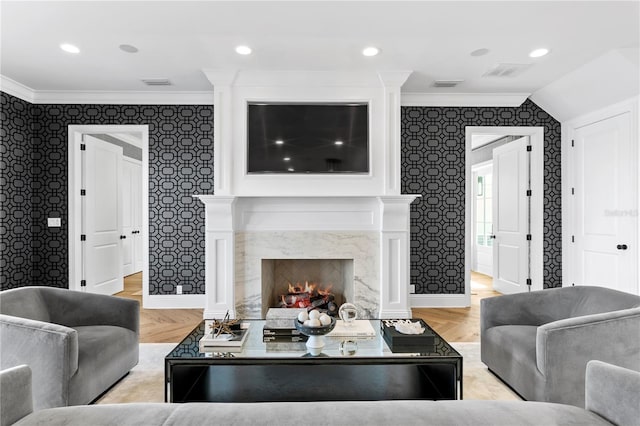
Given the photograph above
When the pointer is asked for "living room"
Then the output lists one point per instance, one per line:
(436, 77)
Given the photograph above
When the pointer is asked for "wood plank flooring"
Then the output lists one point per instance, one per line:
(171, 325)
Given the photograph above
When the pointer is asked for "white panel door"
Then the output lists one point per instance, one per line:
(132, 216)
(605, 199)
(511, 216)
(102, 216)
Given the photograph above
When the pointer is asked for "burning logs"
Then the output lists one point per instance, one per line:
(309, 296)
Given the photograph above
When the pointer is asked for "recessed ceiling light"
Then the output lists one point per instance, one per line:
(69, 48)
(538, 53)
(286, 158)
(243, 50)
(338, 142)
(479, 52)
(279, 142)
(128, 48)
(370, 51)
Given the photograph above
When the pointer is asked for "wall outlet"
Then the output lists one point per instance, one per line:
(412, 288)
(178, 289)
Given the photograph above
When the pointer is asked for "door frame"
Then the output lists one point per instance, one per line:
(536, 135)
(74, 216)
(474, 214)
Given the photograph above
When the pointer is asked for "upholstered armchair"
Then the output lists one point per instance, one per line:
(77, 344)
(539, 343)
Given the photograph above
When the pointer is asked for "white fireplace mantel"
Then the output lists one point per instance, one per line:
(298, 220)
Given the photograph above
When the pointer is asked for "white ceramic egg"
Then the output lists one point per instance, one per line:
(314, 322)
(325, 319)
(307, 323)
(303, 316)
(314, 315)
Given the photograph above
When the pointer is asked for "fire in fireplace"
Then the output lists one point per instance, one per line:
(310, 296)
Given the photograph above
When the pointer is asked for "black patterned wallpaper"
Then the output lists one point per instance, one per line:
(180, 165)
(433, 161)
(15, 194)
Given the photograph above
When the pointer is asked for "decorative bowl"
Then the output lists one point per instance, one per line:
(315, 331)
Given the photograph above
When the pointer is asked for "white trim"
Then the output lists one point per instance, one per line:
(536, 134)
(33, 96)
(16, 89)
(74, 206)
(464, 99)
(439, 301)
(171, 301)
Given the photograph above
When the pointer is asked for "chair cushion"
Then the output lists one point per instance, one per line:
(510, 352)
(105, 354)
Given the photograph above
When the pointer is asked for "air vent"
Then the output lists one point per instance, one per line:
(446, 83)
(506, 70)
(156, 81)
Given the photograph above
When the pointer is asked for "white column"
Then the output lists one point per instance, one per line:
(222, 129)
(392, 82)
(394, 256)
(219, 256)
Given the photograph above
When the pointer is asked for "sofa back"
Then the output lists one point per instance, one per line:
(588, 300)
(25, 302)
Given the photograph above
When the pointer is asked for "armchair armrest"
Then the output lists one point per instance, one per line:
(16, 399)
(74, 308)
(534, 308)
(613, 392)
(564, 347)
(50, 350)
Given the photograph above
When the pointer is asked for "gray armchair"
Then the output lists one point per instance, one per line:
(77, 344)
(539, 343)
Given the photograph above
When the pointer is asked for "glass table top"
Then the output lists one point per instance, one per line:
(335, 347)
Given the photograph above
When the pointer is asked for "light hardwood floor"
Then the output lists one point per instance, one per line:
(171, 325)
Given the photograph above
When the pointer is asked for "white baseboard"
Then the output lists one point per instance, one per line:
(439, 300)
(172, 301)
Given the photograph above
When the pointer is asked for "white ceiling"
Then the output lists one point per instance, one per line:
(177, 39)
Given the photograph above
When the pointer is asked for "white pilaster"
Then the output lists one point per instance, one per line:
(219, 255)
(222, 129)
(394, 256)
(392, 82)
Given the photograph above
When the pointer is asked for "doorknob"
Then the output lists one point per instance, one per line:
(492, 237)
(622, 247)
(122, 237)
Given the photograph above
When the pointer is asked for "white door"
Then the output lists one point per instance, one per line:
(511, 171)
(132, 216)
(483, 219)
(605, 199)
(102, 216)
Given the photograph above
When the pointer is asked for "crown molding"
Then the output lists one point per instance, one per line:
(28, 94)
(464, 99)
(16, 89)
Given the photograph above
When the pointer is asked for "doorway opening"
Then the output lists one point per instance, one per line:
(123, 240)
(481, 207)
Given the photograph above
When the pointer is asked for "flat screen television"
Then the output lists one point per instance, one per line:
(306, 138)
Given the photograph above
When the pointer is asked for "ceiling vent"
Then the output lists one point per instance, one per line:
(156, 81)
(446, 83)
(506, 70)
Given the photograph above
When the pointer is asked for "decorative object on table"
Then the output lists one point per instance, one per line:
(279, 326)
(357, 328)
(314, 325)
(348, 347)
(224, 334)
(348, 313)
(418, 336)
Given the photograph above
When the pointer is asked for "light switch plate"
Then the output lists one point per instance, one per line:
(54, 222)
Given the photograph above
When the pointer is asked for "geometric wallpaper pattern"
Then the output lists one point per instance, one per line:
(15, 194)
(180, 165)
(433, 160)
(33, 170)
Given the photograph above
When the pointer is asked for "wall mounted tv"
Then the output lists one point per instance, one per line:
(306, 138)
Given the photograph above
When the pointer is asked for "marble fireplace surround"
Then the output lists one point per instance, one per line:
(241, 231)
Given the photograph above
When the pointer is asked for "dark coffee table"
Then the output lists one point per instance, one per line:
(286, 372)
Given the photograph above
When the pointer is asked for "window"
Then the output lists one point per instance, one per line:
(484, 227)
